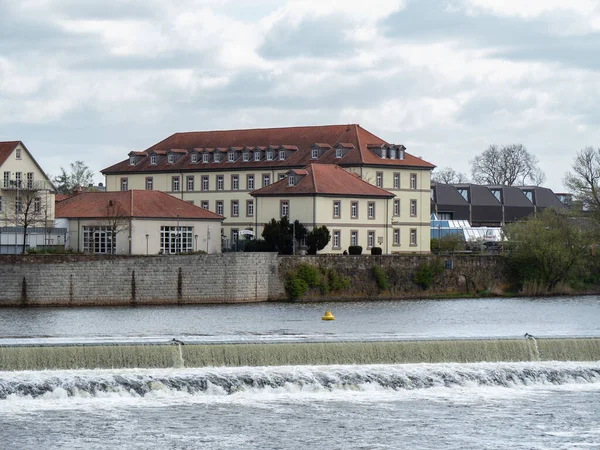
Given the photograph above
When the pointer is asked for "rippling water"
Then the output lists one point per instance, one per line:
(450, 406)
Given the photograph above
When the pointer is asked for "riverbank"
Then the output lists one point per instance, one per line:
(88, 280)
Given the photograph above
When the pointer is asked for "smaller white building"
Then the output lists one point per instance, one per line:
(138, 223)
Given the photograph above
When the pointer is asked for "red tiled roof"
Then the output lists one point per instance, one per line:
(324, 179)
(137, 204)
(60, 197)
(6, 148)
(302, 138)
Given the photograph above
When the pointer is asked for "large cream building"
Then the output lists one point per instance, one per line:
(26, 201)
(218, 171)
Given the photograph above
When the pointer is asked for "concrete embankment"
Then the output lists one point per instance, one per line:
(87, 280)
(315, 353)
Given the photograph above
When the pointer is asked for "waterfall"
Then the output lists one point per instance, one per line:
(229, 381)
(313, 353)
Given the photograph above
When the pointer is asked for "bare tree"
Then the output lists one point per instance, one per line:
(448, 175)
(584, 180)
(28, 209)
(507, 165)
(116, 219)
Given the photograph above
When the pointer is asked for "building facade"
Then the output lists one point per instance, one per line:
(219, 170)
(26, 202)
(137, 223)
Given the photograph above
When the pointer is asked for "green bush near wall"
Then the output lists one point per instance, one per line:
(380, 277)
(305, 276)
(426, 272)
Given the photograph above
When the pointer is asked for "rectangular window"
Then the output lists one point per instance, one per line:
(285, 208)
(336, 209)
(152, 159)
(269, 155)
(6, 179)
(190, 183)
(231, 156)
(175, 184)
(266, 180)
(205, 182)
(314, 153)
(336, 239)
(149, 183)
(396, 181)
(396, 240)
(217, 157)
(132, 160)
(124, 184)
(281, 155)
(220, 207)
(235, 182)
(353, 237)
(98, 240)
(245, 156)
(281, 176)
(235, 234)
(291, 180)
(257, 156)
(205, 157)
(171, 158)
(371, 210)
(18, 180)
(37, 205)
(413, 180)
(370, 239)
(29, 180)
(413, 208)
(338, 153)
(219, 182)
(396, 207)
(249, 208)
(413, 236)
(235, 208)
(204, 204)
(18, 153)
(175, 240)
(250, 182)
(194, 157)
(18, 204)
(354, 210)
(379, 179)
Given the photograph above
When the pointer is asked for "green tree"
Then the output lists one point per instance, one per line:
(546, 249)
(317, 239)
(80, 175)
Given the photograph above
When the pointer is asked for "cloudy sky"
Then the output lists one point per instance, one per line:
(93, 80)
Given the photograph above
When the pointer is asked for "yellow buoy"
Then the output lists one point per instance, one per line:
(328, 316)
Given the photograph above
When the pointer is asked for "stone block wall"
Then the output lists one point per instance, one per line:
(84, 280)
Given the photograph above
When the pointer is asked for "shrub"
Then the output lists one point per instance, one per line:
(426, 272)
(376, 251)
(380, 277)
(309, 274)
(295, 287)
(355, 250)
(336, 282)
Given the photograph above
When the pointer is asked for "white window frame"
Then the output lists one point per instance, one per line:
(370, 239)
(250, 182)
(397, 207)
(269, 155)
(396, 180)
(266, 180)
(379, 179)
(220, 182)
(175, 240)
(338, 153)
(371, 210)
(170, 158)
(291, 180)
(132, 160)
(257, 155)
(18, 153)
(314, 153)
(245, 156)
(37, 205)
(149, 183)
(153, 159)
(6, 179)
(281, 155)
(219, 207)
(284, 207)
(413, 181)
(205, 158)
(231, 157)
(413, 208)
(413, 237)
(190, 183)
(353, 237)
(249, 208)
(29, 180)
(235, 208)
(217, 157)
(354, 210)
(124, 184)
(337, 209)
(175, 184)
(194, 157)
(235, 182)
(205, 183)
(204, 204)
(336, 240)
(396, 237)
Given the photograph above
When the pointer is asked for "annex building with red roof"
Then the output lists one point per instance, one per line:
(138, 222)
(371, 192)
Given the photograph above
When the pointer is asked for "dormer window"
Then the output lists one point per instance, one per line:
(217, 157)
(383, 152)
(529, 195)
(281, 155)
(257, 155)
(291, 180)
(269, 155)
(245, 156)
(400, 154)
(152, 159)
(314, 153)
(231, 156)
(194, 157)
(392, 153)
(464, 193)
(132, 160)
(205, 157)
(338, 153)
(171, 158)
(496, 193)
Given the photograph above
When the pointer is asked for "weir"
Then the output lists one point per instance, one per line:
(282, 354)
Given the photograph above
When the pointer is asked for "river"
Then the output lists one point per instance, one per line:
(524, 405)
